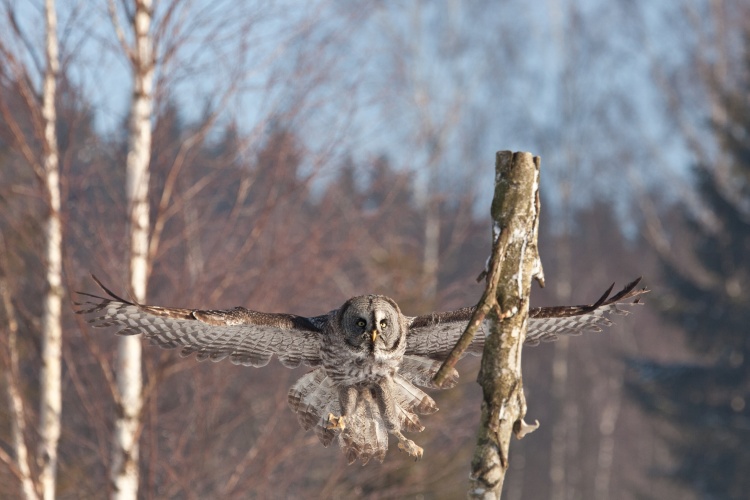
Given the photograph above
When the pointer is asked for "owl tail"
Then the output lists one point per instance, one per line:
(410, 401)
(312, 398)
(366, 435)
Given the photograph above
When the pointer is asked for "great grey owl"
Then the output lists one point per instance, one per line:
(367, 358)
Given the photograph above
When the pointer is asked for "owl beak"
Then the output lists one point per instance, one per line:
(374, 335)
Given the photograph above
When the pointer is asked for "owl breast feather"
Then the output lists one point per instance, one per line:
(357, 370)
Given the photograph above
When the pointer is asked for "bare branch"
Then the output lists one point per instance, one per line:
(119, 33)
(28, 44)
(20, 466)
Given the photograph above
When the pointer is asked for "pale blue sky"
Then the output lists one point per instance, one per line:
(570, 81)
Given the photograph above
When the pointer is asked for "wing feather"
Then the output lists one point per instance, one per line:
(547, 324)
(246, 337)
(434, 335)
(420, 371)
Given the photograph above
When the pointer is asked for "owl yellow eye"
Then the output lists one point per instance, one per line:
(383, 323)
(361, 323)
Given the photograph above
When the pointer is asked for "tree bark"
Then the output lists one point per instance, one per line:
(124, 473)
(51, 391)
(513, 264)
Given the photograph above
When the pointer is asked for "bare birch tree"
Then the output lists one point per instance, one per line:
(45, 164)
(51, 395)
(159, 42)
(124, 469)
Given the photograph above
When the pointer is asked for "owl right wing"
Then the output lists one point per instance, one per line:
(247, 337)
(434, 335)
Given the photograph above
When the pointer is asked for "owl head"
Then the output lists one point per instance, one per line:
(373, 324)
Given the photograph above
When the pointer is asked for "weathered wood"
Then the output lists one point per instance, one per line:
(513, 264)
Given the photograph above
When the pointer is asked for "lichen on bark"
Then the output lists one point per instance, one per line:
(513, 264)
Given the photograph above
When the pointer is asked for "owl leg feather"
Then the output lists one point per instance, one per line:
(348, 403)
(383, 392)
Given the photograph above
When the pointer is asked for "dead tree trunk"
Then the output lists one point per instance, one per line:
(514, 262)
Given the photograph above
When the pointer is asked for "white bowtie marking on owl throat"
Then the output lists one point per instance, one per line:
(367, 358)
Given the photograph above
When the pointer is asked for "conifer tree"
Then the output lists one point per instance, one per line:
(709, 402)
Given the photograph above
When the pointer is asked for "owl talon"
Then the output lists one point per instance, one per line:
(411, 449)
(335, 422)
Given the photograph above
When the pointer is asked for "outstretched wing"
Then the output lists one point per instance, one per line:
(247, 337)
(434, 335)
(547, 324)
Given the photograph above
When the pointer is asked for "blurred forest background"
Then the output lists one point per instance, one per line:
(302, 155)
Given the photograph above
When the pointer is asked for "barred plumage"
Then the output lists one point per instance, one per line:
(367, 357)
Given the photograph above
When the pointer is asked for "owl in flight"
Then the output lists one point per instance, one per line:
(368, 359)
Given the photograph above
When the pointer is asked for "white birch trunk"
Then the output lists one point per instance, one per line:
(124, 474)
(51, 397)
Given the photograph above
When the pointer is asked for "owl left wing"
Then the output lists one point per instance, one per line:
(547, 324)
(247, 337)
(434, 335)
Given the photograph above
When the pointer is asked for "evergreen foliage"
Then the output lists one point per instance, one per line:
(709, 402)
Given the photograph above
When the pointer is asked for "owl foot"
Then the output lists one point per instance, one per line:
(412, 449)
(335, 422)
